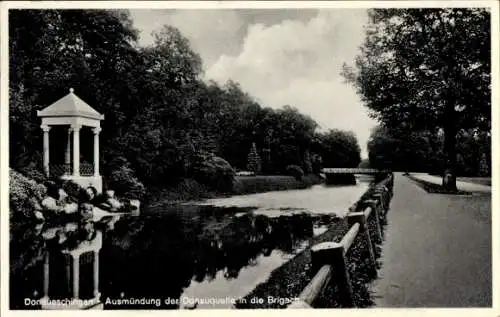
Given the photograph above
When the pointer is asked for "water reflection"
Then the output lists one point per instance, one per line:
(193, 251)
(192, 254)
(55, 261)
(318, 199)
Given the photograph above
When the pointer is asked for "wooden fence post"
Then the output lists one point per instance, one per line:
(384, 189)
(376, 213)
(322, 254)
(361, 218)
(332, 253)
(380, 196)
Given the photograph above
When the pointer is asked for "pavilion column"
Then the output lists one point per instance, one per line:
(96, 150)
(96, 273)
(76, 149)
(46, 156)
(67, 158)
(46, 275)
(69, 285)
(76, 275)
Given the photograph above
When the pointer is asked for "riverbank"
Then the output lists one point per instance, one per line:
(226, 248)
(191, 190)
(26, 194)
(289, 280)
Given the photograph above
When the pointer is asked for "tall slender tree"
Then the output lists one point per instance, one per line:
(254, 161)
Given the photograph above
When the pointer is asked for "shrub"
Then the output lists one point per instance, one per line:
(484, 169)
(73, 190)
(213, 171)
(125, 184)
(295, 171)
(186, 189)
(34, 171)
(190, 189)
(24, 196)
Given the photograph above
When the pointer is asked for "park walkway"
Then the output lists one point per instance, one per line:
(437, 250)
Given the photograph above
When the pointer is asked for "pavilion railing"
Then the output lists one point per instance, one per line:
(86, 169)
(57, 170)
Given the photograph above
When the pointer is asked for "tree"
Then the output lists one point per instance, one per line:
(381, 149)
(160, 116)
(254, 161)
(293, 134)
(399, 150)
(339, 149)
(52, 50)
(427, 69)
(473, 148)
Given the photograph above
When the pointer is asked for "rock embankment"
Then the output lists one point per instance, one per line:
(32, 201)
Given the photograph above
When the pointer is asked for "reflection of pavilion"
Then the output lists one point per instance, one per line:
(72, 264)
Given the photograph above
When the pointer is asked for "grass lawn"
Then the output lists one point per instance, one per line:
(476, 180)
(432, 188)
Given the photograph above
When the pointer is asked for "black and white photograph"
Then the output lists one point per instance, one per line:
(249, 155)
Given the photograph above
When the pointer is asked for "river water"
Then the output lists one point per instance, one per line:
(219, 249)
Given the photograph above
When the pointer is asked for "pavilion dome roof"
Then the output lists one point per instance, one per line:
(70, 106)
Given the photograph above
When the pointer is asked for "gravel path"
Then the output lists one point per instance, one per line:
(437, 251)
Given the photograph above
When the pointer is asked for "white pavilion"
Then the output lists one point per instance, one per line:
(75, 114)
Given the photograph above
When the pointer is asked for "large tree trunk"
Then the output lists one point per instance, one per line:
(450, 141)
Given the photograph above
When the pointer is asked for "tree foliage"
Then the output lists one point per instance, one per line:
(425, 69)
(339, 149)
(388, 149)
(213, 171)
(161, 117)
(423, 151)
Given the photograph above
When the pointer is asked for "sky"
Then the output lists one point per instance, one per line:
(279, 56)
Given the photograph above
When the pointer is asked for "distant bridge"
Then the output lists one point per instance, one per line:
(369, 171)
(346, 176)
